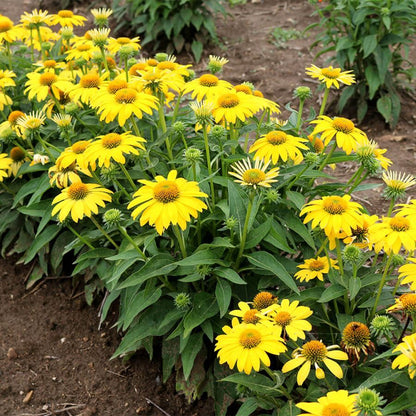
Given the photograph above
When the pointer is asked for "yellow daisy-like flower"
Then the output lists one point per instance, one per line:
(154, 80)
(370, 149)
(407, 358)
(206, 86)
(101, 16)
(63, 177)
(8, 32)
(35, 18)
(405, 303)
(248, 315)
(124, 103)
(335, 403)
(356, 340)
(31, 121)
(11, 123)
(67, 18)
(216, 63)
(333, 214)
(263, 300)
(315, 268)
(75, 154)
(5, 164)
(18, 157)
(80, 199)
(49, 65)
(87, 87)
(248, 175)
(40, 85)
(407, 273)
(263, 103)
(331, 76)
(232, 106)
(247, 346)
(397, 183)
(114, 44)
(277, 145)
(167, 201)
(171, 66)
(313, 353)
(392, 234)
(359, 235)
(31, 37)
(408, 210)
(85, 50)
(290, 319)
(113, 147)
(346, 134)
(6, 78)
(5, 100)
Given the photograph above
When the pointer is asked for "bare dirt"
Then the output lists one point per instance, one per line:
(50, 344)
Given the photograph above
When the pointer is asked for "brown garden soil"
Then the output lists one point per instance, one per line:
(52, 354)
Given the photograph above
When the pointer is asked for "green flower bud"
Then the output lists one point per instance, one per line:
(312, 159)
(218, 133)
(131, 62)
(351, 254)
(7, 135)
(231, 223)
(302, 93)
(81, 61)
(126, 52)
(272, 195)
(67, 33)
(382, 325)
(368, 402)
(192, 155)
(182, 301)
(397, 260)
(112, 217)
(203, 270)
(190, 76)
(108, 174)
(46, 46)
(178, 128)
(161, 56)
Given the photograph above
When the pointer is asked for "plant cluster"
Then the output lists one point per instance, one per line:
(371, 38)
(173, 26)
(186, 200)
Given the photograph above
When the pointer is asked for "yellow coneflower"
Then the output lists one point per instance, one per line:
(405, 303)
(8, 32)
(18, 157)
(62, 120)
(356, 340)
(6, 78)
(397, 184)
(31, 121)
(315, 268)
(85, 50)
(62, 177)
(35, 18)
(101, 16)
(313, 353)
(254, 176)
(370, 149)
(40, 85)
(114, 44)
(248, 315)
(99, 37)
(359, 235)
(331, 76)
(167, 201)
(206, 86)
(80, 199)
(87, 87)
(67, 18)
(407, 358)
(247, 346)
(75, 155)
(407, 273)
(5, 100)
(216, 63)
(5, 164)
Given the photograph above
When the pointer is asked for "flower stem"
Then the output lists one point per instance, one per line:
(87, 243)
(104, 233)
(300, 111)
(380, 288)
(245, 229)
(132, 242)
(179, 236)
(127, 175)
(211, 180)
(324, 100)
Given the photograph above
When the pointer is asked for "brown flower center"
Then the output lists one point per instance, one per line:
(250, 317)
(335, 205)
(331, 73)
(47, 79)
(254, 176)
(335, 409)
(314, 351)
(250, 338)
(116, 85)
(17, 154)
(276, 137)
(166, 65)
(50, 63)
(65, 13)
(5, 24)
(208, 80)
(152, 62)
(84, 47)
(316, 265)
(111, 140)
(137, 67)
(399, 224)
(356, 334)
(228, 100)
(90, 81)
(343, 125)
(126, 95)
(283, 318)
(77, 191)
(263, 300)
(166, 191)
(14, 116)
(243, 88)
(79, 147)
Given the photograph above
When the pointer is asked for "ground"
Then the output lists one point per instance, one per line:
(65, 362)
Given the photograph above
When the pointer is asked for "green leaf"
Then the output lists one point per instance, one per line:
(256, 382)
(257, 234)
(384, 107)
(383, 57)
(266, 261)
(223, 295)
(248, 407)
(190, 352)
(96, 253)
(297, 198)
(237, 204)
(170, 354)
(383, 376)
(205, 307)
(369, 43)
(295, 224)
(332, 292)
(197, 48)
(373, 80)
(41, 240)
(405, 401)
(205, 256)
(230, 275)
(354, 286)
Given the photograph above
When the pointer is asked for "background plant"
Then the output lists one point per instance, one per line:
(370, 38)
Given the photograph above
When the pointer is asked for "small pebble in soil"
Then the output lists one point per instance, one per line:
(12, 354)
(28, 397)
(63, 340)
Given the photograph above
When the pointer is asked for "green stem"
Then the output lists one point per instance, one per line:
(297, 177)
(328, 156)
(104, 233)
(127, 175)
(380, 288)
(353, 177)
(45, 147)
(245, 229)
(135, 126)
(324, 100)
(42, 52)
(391, 206)
(87, 243)
(339, 256)
(211, 179)
(357, 182)
(126, 69)
(104, 59)
(132, 242)
(300, 111)
(176, 109)
(123, 189)
(6, 188)
(179, 237)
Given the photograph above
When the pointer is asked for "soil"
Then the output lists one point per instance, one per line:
(50, 343)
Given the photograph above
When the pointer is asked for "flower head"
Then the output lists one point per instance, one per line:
(216, 63)
(247, 346)
(206, 86)
(67, 18)
(247, 314)
(5, 164)
(331, 76)
(80, 199)
(407, 357)
(167, 201)
(263, 300)
(313, 353)
(397, 183)
(407, 273)
(368, 402)
(101, 16)
(32, 121)
(405, 303)
(356, 340)
(315, 268)
(248, 175)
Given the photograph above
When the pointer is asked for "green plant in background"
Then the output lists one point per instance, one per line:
(280, 36)
(371, 38)
(173, 26)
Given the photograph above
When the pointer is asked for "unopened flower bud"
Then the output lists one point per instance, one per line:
(112, 217)
(126, 52)
(161, 56)
(302, 93)
(218, 133)
(368, 402)
(231, 223)
(351, 254)
(382, 325)
(190, 76)
(192, 155)
(312, 159)
(272, 195)
(182, 301)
